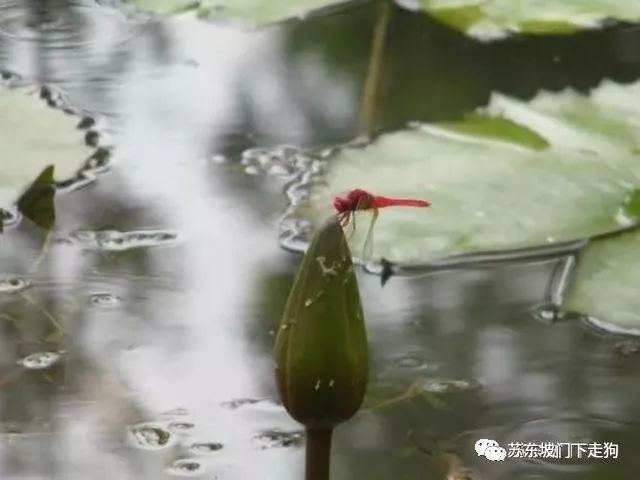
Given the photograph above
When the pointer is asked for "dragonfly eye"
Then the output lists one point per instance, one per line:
(357, 194)
(341, 204)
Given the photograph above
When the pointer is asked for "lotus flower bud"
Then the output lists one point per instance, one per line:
(321, 345)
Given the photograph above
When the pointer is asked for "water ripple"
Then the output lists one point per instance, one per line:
(150, 436)
(105, 300)
(279, 439)
(205, 448)
(186, 467)
(13, 285)
(116, 241)
(66, 27)
(40, 360)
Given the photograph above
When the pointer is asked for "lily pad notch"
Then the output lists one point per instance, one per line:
(40, 137)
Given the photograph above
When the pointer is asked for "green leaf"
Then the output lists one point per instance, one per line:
(321, 346)
(250, 11)
(489, 19)
(499, 129)
(605, 283)
(166, 6)
(561, 167)
(37, 202)
(34, 136)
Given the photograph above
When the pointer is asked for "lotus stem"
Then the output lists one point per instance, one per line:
(371, 92)
(318, 453)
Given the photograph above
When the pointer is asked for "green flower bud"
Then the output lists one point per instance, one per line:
(321, 346)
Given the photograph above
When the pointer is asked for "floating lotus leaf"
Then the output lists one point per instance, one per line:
(34, 136)
(489, 19)
(605, 284)
(513, 175)
(248, 11)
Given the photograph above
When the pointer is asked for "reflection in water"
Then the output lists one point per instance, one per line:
(40, 360)
(171, 346)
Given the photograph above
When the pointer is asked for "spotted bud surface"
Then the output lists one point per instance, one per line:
(321, 347)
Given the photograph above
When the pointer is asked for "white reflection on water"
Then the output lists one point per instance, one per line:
(181, 343)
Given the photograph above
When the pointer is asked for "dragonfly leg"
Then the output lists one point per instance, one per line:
(345, 222)
(367, 249)
(352, 217)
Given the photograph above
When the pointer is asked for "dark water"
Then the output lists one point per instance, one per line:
(164, 280)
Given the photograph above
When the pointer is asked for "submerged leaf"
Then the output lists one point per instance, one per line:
(488, 19)
(321, 346)
(561, 167)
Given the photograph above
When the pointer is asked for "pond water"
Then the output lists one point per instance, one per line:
(140, 345)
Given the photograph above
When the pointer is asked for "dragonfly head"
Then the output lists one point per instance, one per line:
(341, 204)
(356, 199)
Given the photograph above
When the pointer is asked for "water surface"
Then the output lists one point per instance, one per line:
(140, 346)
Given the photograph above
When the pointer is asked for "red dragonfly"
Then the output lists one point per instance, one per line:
(359, 199)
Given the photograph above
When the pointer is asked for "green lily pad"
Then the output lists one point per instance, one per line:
(254, 12)
(34, 136)
(559, 168)
(490, 19)
(605, 283)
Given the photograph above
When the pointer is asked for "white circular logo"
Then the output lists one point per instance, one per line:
(490, 449)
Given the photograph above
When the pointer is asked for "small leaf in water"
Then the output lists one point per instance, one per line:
(40, 360)
(37, 201)
(186, 467)
(387, 271)
(150, 436)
